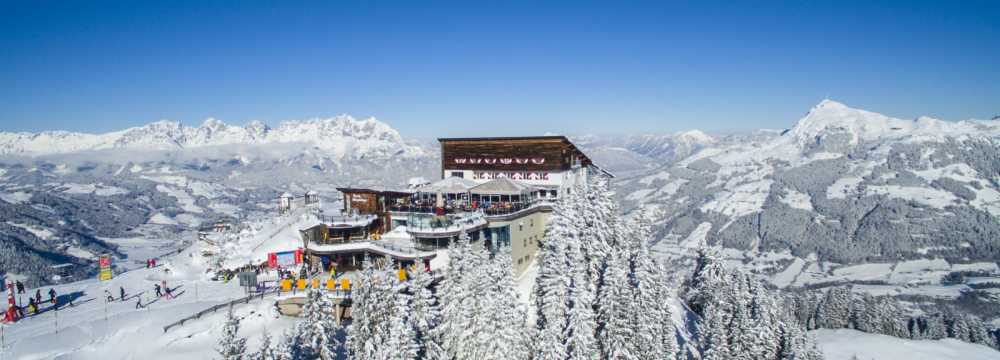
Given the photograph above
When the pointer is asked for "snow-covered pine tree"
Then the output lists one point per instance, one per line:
(425, 313)
(708, 278)
(553, 281)
(581, 327)
(317, 334)
(402, 343)
(231, 345)
(616, 335)
(503, 316)
(456, 296)
(596, 224)
(713, 334)
(834, 312)
(371, 310)
(655, 334)
(266, 350)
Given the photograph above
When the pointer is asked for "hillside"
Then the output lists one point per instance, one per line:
(844, 185)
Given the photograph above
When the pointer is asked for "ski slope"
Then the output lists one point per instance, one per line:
(93, 329)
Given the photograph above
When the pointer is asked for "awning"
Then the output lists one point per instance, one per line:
(451, 185)
(502, 186)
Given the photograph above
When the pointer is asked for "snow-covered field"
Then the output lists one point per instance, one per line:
(844, 344)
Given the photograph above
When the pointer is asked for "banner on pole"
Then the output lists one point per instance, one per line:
(104, 263)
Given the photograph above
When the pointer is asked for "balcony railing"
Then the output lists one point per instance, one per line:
(488, 208)
(446, 223)
(352, 220)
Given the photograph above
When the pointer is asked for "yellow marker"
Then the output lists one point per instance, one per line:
(345, 284)
(286, 285)
(330, 284)
(315, 284)
(301, 284)
(402, 274)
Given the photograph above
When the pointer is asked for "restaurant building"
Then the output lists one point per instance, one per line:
(498, 191)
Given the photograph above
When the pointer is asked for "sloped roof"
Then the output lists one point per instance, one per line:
(450, 185)
(501, 186)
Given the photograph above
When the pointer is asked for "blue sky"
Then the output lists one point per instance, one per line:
(495, 68)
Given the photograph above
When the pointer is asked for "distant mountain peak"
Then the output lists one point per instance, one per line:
(834, 121)
(341, 136)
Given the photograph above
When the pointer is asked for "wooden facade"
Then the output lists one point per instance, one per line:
(363, 201)
(539, 153)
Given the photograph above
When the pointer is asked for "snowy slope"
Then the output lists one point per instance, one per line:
(885, 187)
(843, 344)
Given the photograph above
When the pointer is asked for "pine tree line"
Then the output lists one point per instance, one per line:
(741, 318)
(840, 307)
(599, 294)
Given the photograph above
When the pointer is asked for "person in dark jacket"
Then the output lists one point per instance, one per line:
(157, 288)
(38, 295)
(121, 289)
(20, 287)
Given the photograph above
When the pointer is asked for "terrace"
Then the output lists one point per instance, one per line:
(455, 195)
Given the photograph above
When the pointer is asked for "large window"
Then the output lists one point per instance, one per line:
(501, 236)
(458, 174)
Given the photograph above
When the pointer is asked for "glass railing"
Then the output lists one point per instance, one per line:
(349, 219)
(450, 222)
(489, 208)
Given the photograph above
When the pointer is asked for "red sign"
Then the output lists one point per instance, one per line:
(284, 258)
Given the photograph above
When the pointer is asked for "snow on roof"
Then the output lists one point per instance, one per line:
(449, 185)
(501, 186)
(286, 195)
(312, 192)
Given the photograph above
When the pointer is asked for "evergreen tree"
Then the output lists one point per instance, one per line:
(834, 311)
(616, 305)
(425, 313)
(402, 343)
(231, 345)
(503, 316)
(372, 313)
(581, 327)
(459, 307)
(266, 350)
(553, 282)
(316, 334)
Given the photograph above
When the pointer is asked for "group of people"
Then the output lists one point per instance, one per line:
(151, 263)
(161, 289)
(34, 302)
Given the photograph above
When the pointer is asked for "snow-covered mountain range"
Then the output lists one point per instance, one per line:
(342, 136)
(843, 184)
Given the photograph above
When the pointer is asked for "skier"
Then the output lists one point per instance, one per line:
(38, 295)
(32, 307)
(20, 287)
(170, 293)
(107, 294)
(157, 288)
(138, 301)
(52, 295)
(122, 290)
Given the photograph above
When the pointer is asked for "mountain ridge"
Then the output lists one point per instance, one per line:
(343, 134)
